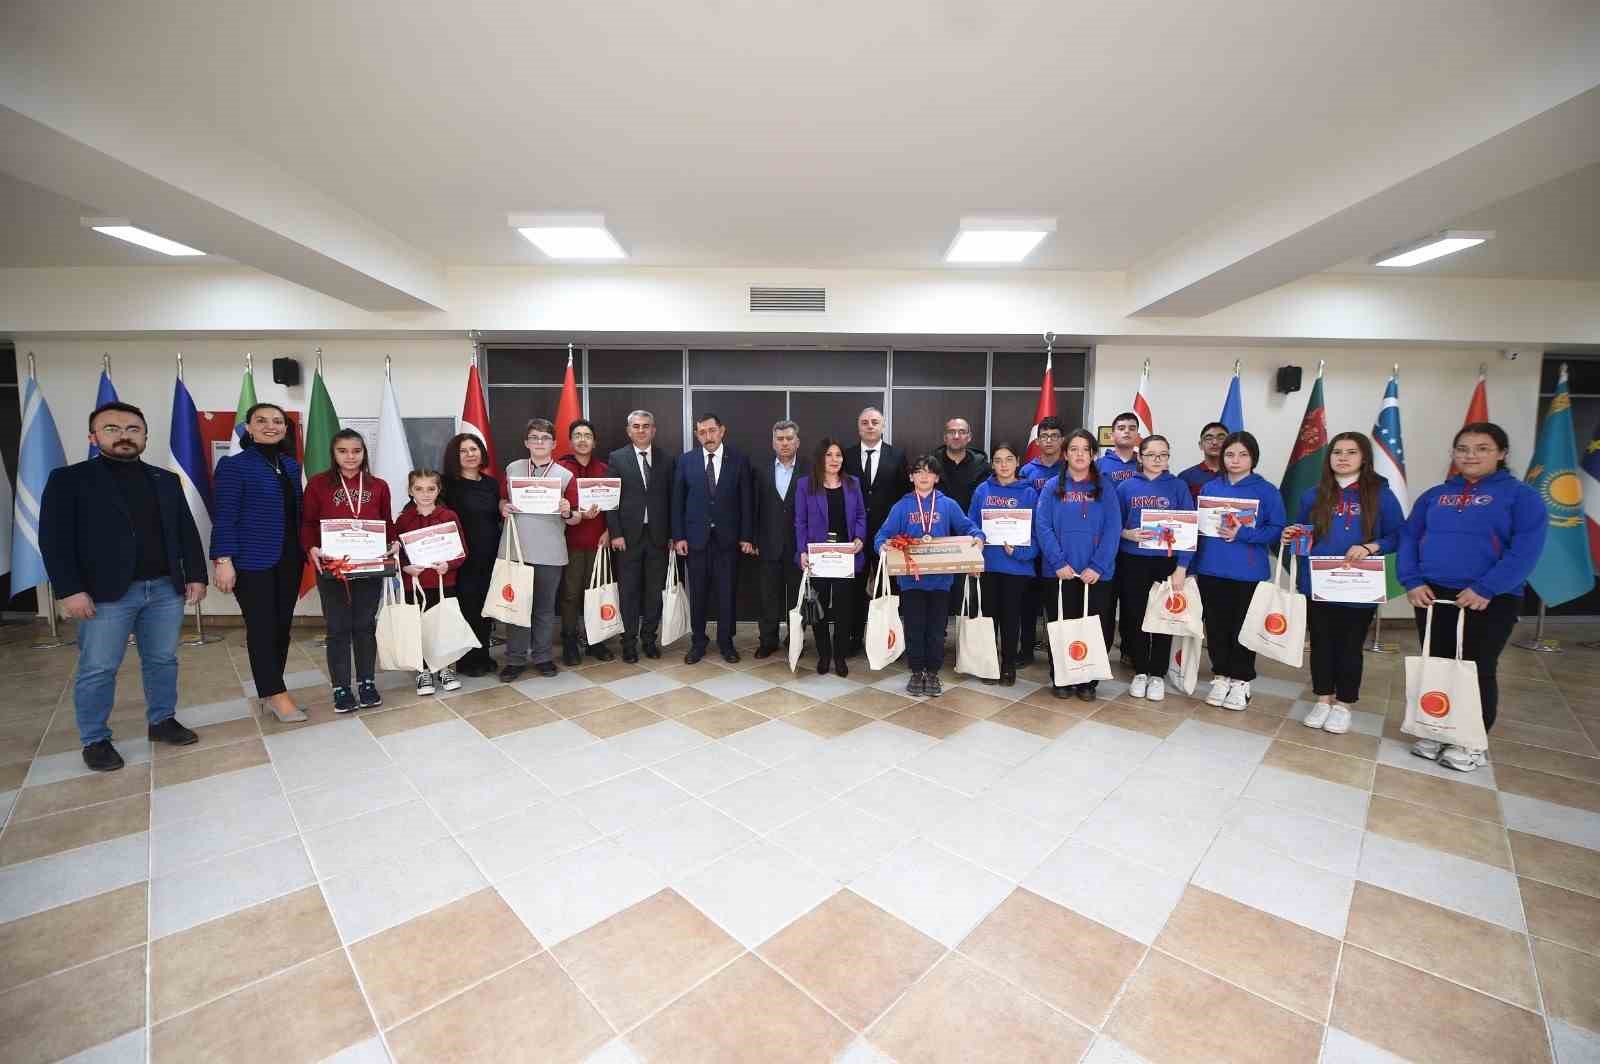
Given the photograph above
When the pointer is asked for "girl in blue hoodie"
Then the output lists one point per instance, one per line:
(1076, 523)
(1351, 513)
(925, 599)
(1228, 568)
(1474, 538)
(1008, 570)
(1143, 562)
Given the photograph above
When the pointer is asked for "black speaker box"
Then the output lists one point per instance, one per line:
(287, 371)
(1288, 379)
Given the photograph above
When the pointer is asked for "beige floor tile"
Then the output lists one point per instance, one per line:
(1138, 718)
(1574, 740)
(607, 671)
(1036, 720)
(12, 775)
(972, 703)
(776, 672)
(852, 956)
(1570, 980)
(1294, 757)
(1546, 714)
(1555, 862)
(1461, 799)
(1265, 724)
(871, 702)
(638, 960)
(1562, 916)
(265, 1021)
(410, 968)
(1460, 948)
(74, 1010)
(216, 958)
(1172, 1012)
(930, 719)
(1555, 762)
(722, 720)
(579, 703)
(744, 1013)
(58, 938)
(961, 1014)
(211, 736)
(27, 839)
(618, 720)
(778, 702)
(395, 721)
(1068, 960)
(827, 720)
(231, 758)
(1476, 840)
(1439, 1021)
(1558, 789)
(532, 1012)
(707, 668)
(84, 790)
(471, 703)
(1281, 961)
(1350, 744)
(679, 701)
(495, 722)
(1044, 699)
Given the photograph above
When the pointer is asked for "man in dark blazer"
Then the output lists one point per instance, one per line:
(712, 517)
(774, 503)
(124, 558)
(640, 529)
(881, 468)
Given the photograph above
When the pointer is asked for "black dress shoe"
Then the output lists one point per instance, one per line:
(1062, 692)
(765, 650)
(1008, 678)
(694, 655)
(511, 672)
(546, 668)
(652, 649)
(840, 668)
(601, 652)
(630, 655)
(822, 664)
(170, 731)
(1086, 692)
(102, 756)
(731, 657)
(570, 654)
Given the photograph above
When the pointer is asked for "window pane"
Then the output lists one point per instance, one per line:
(950, 369)
(833, 414)
(635, 367)
(841, 369)
(526, 365)
(1013, 414)
(919, 417)
(1025, 369)
(748, 417)
(609, 409)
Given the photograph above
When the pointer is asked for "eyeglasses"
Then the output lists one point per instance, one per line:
(958, 432)
(1156, 456)
(580, 435)
(1045, 436)
(1214, 436)
(1476, 452)
(539, 437)
(121, 430)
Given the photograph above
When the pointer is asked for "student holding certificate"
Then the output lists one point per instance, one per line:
(349, 491)
(1350, 514)
(1076, 523)
(829, 508)
(1145, 559)
(433, 558)
(1008, 569)
(543, 534)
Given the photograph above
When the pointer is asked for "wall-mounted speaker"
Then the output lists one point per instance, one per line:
(1288, 379)
(287, 371)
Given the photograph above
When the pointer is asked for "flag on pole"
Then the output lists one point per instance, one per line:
(391, 459)
(1232, 415)
(106, 393)
(188, 460)
(1565, 569)
(1477, 407)
(247, 399)
(1141, 403)
(1389, 462)
(475, 415)
(567, 411)
(1046, 408)
(1589, 473)
(7, 506)
(1310, 452)
(322, 421)
(39, 455)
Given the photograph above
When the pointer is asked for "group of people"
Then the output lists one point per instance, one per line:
(124, 555)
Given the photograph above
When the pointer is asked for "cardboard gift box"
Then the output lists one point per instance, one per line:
(942, 554)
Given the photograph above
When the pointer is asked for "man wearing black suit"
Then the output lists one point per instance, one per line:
(774, 503)
(640, 529)
(712, 517)
(881, 468)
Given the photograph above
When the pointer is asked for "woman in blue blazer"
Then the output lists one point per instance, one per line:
(255, 547)
(828, 507)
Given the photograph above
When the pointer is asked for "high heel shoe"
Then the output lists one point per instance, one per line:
(284, 710)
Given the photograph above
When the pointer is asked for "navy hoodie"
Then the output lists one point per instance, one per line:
(992, 495)
(1485, 535)
(1346, 528)
(947, 520)
(1140, 493)
(1248, 557)
(1079, 531)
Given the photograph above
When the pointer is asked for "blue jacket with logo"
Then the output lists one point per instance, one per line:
(1140, 493)
(1346, 526)
(1039, 474)
(992, 495)
(947, 520)
(1248, 557)
(1114, 469)
(1079, 531)
(1485, 535)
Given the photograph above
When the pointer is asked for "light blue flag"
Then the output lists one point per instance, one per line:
(1233, 407)
(106, 394)
(39, 455)
(1565, 570)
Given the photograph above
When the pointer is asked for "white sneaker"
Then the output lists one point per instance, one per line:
(1338, 720)
(1157, 690)
(1463, 760)
(448, 680)
(1318, 715)
(1238, 696)
(1428, 748)
(1140, 685)
(424, 683)
(1219, 691)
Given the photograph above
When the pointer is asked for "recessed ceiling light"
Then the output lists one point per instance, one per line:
(582, 237)
(998, 240)
(119, 228)
(1447, 242)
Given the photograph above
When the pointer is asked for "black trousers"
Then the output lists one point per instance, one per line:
(266, 599)
(641, 574)
(1136, 575)
(832, 633)
(1486, 635)
(1100, 595)
(472, 587)
(1337, 633)
(1033, 596)
(713, 577)
(1002, 599)
(1226, 602)
(780, 585)
(352, 626)
(926, 616)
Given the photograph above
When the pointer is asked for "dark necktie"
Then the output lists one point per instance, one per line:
(867, 473)
(711, 476)
(644, 465)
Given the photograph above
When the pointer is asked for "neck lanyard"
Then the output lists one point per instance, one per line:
(353, 500)
(538, 471)
(926, 517)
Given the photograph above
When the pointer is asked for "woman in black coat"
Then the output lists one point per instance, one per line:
(474, 495)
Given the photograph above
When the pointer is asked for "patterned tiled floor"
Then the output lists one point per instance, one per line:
(705, 863)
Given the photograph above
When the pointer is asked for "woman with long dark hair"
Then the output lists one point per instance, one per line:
(1473, 539)
(473, 495)
(1352, 514)
(829, 508)
(1144, 561)
(1007, 570)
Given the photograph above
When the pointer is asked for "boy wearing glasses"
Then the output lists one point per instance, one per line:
(544, 546)
(1209, 467)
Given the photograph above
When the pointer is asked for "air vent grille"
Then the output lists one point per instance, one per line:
(788, 300)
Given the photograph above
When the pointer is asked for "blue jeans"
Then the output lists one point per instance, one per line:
(152, 611)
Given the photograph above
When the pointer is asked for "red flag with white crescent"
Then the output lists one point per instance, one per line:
(1046, 408)
(475, 417)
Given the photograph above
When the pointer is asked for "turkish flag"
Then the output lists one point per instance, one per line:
(1046, 408)
(475, 417)
(567, 411)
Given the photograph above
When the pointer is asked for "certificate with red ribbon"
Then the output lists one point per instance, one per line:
(1169, 530)
(362, 543)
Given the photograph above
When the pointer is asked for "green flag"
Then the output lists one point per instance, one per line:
(247, 399)
(1310, 452)
(322, 421)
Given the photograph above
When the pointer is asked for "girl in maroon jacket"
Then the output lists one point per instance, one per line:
(423, 511)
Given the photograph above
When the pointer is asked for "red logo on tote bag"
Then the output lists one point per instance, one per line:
(608, 612)
(1077, 650)
(1434, 703)
(508, 593)
(1176, 602)
(1276, 624)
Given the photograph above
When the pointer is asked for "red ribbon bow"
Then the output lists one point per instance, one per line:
(902, 543)
(1167, 538)
(339, 569)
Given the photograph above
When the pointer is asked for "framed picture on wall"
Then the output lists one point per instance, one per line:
(1104, 435)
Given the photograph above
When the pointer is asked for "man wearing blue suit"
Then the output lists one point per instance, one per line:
(712, 519)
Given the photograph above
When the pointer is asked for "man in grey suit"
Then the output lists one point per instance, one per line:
(780, 574)
(640, 529)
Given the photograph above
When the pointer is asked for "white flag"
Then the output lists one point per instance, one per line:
(391, 459)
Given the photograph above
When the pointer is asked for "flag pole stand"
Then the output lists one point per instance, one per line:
(53, 640)
(1539, 643)
(201, 639)
(1378, 646)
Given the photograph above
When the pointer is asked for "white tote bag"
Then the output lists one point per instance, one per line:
(602, 606)
(674, 604)
(399, 631)
(510, 597)
(1442, 700)
(797, 622)
(1169, 612)
(446, 635)
(886, 635)
(975, 647)
(1276, 623)
(1183, 665)
(1078, 648)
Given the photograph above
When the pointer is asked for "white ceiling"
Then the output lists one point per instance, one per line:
(42, 228)
(826, 133)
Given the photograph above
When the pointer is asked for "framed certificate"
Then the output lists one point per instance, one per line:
(828, 560)
(1183, 524)
(534, 495)
(1335, 580)
(1215, 509)
(363, 543)
(432, 545)
(941, 554)
(1007, 528)
(604, 492)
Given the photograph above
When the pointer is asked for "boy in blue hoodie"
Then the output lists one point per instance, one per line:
(1143, 562)
(1008, 571)
(1076, 522)
(1045, 469)
(924, 512)
(1229, 567)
